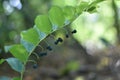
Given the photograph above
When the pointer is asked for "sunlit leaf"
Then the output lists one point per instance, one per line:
(43, 23)
(69, 12)
(19, 52)
(82, 6)
(31, 36)
(41, 34)
(15, 64)
(56, 17)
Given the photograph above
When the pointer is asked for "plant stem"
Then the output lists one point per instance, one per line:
(22, 73)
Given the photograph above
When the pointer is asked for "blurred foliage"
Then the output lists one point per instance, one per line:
(16, 16)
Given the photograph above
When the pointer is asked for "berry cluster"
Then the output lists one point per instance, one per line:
(42, 54)
(58, 40)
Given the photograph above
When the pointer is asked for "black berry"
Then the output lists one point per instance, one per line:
(49, 48)
(60, 40)
(67, 36)
(74, 31)
(56, 42)
(42, 54)
(35, 66)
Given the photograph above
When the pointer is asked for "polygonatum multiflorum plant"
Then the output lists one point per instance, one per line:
(56, 19)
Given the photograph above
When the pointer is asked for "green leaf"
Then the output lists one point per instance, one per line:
(19, 52)
(92, 9)
(31, 36)
(15, 64)
(16, 78)
(29, 46)
(93, 5)
(56, 17)
(43, 23)
(82, 6)
(69, 13)
(42, 35)
(2, 60)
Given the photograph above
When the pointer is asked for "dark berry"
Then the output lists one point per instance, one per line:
(74, 31)
(60, 40)
(49, 48)
(35, 66)
(42, 54)
(56, 42)
(67, 36)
